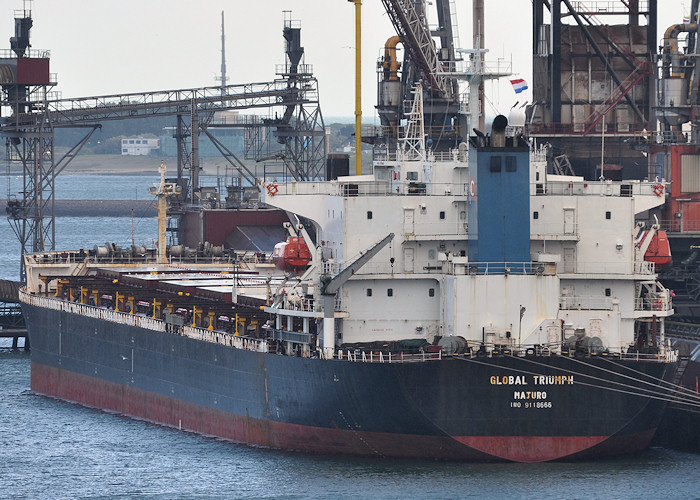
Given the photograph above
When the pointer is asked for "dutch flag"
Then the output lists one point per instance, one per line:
(519, 85)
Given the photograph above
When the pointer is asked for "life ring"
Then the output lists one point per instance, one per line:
(658, 304)
(530, 351)
(272, 189)
(658, 189)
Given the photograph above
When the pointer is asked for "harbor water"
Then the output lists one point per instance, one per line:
(53, 449)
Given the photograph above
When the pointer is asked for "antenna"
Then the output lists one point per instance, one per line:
(223, 76)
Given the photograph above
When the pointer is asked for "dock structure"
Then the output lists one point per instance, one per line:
(11, 319)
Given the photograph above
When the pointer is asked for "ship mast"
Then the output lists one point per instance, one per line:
(162, 191)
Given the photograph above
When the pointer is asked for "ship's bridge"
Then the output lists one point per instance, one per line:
(646, 194)
(362, 185)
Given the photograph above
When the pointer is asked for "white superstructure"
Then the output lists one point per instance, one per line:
(585, 274)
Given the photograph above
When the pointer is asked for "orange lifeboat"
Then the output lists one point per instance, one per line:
(659, 251)
(292, 255)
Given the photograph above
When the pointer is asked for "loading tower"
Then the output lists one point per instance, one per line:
(594, 81)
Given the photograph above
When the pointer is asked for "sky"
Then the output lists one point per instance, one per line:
(101, 47)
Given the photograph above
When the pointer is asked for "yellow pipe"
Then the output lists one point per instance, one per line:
(391, 63)
(671, 46)
(358, 86)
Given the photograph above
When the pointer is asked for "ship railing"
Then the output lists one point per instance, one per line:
(225, 339)
(554, 230)
(440, 230)
(391, 187)
(253, 257)
(476, 350)
(510, 347)
(615, 128)
(659, 301)
(330, 267)
(504, 268)
(381, 154)
(623, 189)
(644, 267)
(606, 7)
(299, 69)
(28, 53)
(666, 137)
(362, 356)
(93, 311)
(585, 303)
(297, 303)
(367, 188)
(501, 67)
(459, 265)
(617, 268)
(67, 257)
(680, 224)
(200, 259)
(214, 336)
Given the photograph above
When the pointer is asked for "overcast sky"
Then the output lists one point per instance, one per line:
(101, 47)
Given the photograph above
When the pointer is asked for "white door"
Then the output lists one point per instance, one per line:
(408, 260)
(408, 221)
(569, 259)
(569, 221)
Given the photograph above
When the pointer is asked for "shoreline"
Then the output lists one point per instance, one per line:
(150, 165)
(135, 165)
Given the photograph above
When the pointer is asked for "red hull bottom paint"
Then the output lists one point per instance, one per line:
(531, 448)
(183, 415)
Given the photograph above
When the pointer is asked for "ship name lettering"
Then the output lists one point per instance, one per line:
(553, 379)
(508, 380)
(529, 395)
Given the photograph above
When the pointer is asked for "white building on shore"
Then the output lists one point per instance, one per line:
(139, 146)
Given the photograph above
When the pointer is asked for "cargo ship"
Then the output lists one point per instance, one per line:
(462, 305)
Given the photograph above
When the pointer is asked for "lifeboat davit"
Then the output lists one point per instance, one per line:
(659, 251)
(292, 255)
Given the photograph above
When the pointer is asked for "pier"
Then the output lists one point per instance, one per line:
(11, 319)
(101, 208)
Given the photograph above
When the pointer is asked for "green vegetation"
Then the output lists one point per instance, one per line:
(107, 141)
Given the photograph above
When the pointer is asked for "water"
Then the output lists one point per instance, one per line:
(52, 449)
(75, 233)
(96, 187)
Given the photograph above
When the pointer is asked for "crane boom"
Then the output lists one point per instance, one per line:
(417, 40)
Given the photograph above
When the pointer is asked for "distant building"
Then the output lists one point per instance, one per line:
(135, 146)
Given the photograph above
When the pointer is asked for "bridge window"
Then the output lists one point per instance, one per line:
(495, 164)
(369, 214)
